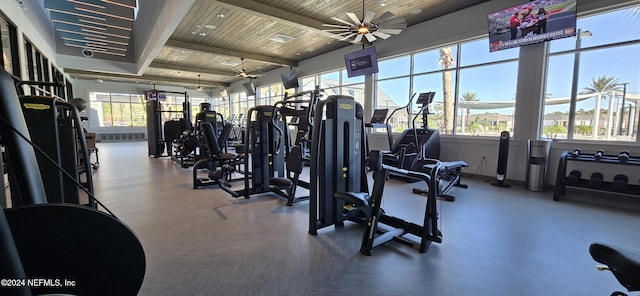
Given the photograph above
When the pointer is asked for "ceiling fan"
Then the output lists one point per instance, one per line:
(244, 74)
(367, 29)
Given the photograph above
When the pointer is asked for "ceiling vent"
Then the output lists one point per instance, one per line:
(281, 38)
(230, 63)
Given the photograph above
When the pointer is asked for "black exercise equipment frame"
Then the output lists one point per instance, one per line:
(337, 160)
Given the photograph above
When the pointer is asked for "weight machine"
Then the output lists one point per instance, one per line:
(264, 149)
(156, 137)
(337, 161)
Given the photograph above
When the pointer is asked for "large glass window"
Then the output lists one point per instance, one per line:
(607, 90)
(9, 47)
(114, 109)
(466, 102)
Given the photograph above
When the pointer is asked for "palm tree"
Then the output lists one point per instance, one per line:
(446, 61)
(468, 97)
(600, 86)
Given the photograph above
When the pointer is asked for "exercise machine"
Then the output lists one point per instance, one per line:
(189, 146)
(218, 163)
(264, 151)
(56, 128)
(420, 146)
(623, 262)
(53, 240)
(156, 116)
(382, 227)
(337, 161)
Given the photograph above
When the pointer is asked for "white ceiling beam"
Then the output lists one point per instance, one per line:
(185, 68)
(143, 78)
(232, 53)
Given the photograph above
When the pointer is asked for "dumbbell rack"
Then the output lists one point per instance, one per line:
(561, 177)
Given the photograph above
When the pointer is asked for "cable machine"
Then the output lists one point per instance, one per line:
(156, 138)
(337, 159)
(264, 148)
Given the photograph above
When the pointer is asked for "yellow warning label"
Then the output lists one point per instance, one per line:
(36, 106)
(346, 106)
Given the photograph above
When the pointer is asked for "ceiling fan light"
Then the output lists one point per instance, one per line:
(363, 29)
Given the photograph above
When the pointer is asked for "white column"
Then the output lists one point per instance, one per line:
(596, 117)
(609, 118)
(632, 119)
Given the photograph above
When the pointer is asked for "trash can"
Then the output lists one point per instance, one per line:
(537, 161)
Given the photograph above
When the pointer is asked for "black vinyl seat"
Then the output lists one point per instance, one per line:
(624, 263)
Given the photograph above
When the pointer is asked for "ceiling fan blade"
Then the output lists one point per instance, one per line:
(385, 16)
(345, 33)
(358, 38)
(336, 26)
(368, 16)
(370, 37)
(353, 17)
(390, 31)
(347, 37)
(381, 35)
(335, 30)
(342, 21)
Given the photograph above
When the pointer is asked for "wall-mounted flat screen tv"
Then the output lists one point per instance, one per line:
(361, 62)
(250, 88)
(532, 22)
(289, 79)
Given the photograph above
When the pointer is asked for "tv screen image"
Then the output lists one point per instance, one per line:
(361, 62)
(532, 22)
(250, 88)
(290, 79)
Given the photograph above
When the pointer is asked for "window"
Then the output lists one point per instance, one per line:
(465, 102)
(605, 103)
(9, 47)
(113, 109)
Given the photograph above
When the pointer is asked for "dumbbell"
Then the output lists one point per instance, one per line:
(623, 156)
(575, 153)
(573, 178)
(620, 182)
(599, 154)
(596, 180)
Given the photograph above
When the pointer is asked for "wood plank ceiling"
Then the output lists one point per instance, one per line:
(215, 35)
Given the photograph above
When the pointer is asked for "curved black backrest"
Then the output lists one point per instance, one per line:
(375, 160)
(210, 138)
(294, 160)
(224, 135)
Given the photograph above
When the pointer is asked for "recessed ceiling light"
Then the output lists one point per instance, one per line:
(202, 34)
(220, 15)
(416, 11)
(281, 38)
(230, 63)
(383, 4)
(210, 27)
(194, 32)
